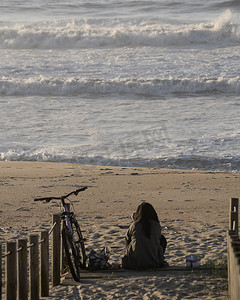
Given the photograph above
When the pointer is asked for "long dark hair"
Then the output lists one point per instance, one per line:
(145, 214)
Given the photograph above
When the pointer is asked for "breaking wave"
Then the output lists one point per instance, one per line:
(150, 87)
(90, 33)
(230, 164)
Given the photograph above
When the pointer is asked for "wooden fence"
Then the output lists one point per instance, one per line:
(233, 242)
(27, 262)
(27, 265)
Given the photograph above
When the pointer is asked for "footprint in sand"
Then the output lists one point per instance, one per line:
(98, 217)
(23, 209)
(113, 231)
(104, 227)
(96, 236)
(47, 186)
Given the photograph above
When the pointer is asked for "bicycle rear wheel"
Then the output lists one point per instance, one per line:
(74, 247)
(79, 242)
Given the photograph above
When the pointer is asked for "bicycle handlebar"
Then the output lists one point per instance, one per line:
(48, 199)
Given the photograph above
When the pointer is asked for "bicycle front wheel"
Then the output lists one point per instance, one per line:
(74, 247)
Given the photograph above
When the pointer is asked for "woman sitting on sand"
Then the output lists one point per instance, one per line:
(144, 243)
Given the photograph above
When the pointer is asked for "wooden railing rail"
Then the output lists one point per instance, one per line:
(27, 265)
(233, 242)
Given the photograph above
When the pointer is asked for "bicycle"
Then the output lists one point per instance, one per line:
(72, 238)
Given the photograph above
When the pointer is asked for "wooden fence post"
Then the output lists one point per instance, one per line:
(11, 268)
(44, 264)
(233, 224)
(63, 260)
(0, 271)
(233, 251)
(235, 278)
(22, 269)
(56, 251)
(234, 204)
(229, 257)
(34, 267)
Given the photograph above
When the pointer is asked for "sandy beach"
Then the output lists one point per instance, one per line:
(192, 206)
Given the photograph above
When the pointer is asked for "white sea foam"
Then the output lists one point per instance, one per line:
(89, 33)
(201, 162)
(145, 87)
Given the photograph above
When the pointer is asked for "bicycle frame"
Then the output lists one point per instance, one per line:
(67, 212)
(62, 198)
(71, 235)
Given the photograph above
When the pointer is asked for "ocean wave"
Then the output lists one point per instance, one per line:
(187, 162)
(89, 33)
(225, 4)
(44, 86)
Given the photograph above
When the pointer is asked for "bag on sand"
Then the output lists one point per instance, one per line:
(99, 260)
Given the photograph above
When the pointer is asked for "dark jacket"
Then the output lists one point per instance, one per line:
(143, 252)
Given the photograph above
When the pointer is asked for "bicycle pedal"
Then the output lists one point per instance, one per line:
(81, 241)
